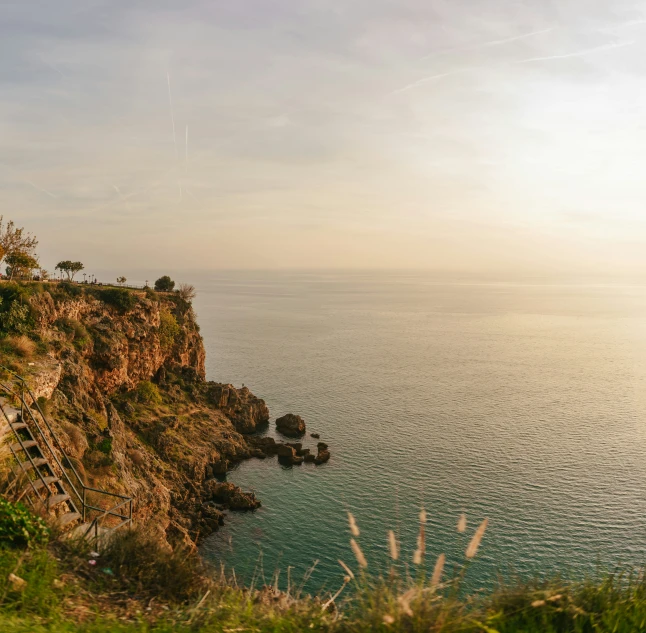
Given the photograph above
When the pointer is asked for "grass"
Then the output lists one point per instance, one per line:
(138, 585)
(21, 346)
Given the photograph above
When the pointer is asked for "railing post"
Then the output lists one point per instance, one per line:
(83, 504)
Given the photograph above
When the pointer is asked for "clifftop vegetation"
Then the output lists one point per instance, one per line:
(135, 585)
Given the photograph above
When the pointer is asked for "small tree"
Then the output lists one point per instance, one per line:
(164, 284)
(20, 264)
(15, 240)
(121, 280)
(69, 268)
(43, 274)
(187, 292)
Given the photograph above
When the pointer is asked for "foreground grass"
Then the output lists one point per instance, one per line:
(138, 586)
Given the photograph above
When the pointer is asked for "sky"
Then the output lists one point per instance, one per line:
(455, 135)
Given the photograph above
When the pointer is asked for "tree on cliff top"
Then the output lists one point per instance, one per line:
(20, 264)
(164, 284)
(69, 268)
(15, 240)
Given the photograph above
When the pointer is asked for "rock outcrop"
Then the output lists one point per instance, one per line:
(124, 384)
(291, 425)
(230, 495)
(247, 412)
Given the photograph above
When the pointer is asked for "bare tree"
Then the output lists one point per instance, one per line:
(15, 240)
(187, 292)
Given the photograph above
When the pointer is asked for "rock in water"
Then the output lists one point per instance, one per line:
(230, 495)
(322, 457)
(291, 425)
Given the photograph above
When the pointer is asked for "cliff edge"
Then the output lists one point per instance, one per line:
(121, 376)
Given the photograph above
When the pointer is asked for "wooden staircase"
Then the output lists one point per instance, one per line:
(42, 474)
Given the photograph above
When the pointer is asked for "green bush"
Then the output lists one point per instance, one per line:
(15, 318)
(168, 329)
(120, 298)
(151, 294)
(70, 289)
(105, 445)
(74, 331)
(19, 527)
(148, 393)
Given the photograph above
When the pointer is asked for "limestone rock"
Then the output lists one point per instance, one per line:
(230, 495)
(246, 411)
(322, 457)
(291, 425)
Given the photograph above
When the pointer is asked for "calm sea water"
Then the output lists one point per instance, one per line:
(523, 403)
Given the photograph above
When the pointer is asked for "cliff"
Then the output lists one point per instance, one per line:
(121, 376)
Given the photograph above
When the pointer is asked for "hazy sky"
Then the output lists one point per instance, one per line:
(461, 135)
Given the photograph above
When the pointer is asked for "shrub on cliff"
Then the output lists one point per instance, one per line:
(148, 393)
(142, 565)
(67, 289)
(15, 310)
(74, 331)
(120, 298)
(168, 329)
(19, 527)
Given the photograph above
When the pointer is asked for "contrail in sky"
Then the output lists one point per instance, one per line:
(587, 51)
(172, 118)
(419, 82)
(37, 188)
(507, 40)
(581, 53)
(517, 37)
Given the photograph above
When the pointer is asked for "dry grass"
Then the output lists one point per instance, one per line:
(21, 346)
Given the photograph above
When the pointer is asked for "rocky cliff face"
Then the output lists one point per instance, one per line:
(123, 382)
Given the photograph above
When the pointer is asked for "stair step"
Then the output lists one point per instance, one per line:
(54, 500)
(25, 466)
(66, 519)
(38, 484)
(16, 426)
(17, 446)
(13, 415)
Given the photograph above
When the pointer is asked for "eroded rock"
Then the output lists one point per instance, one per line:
(291, 425)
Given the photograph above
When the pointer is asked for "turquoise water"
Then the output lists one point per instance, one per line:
(521, 403)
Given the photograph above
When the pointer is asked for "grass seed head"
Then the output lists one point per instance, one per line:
(392, 545)
(354, 528)
(472, 548)
(358, 554)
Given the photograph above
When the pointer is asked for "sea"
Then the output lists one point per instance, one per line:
(522, 402)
